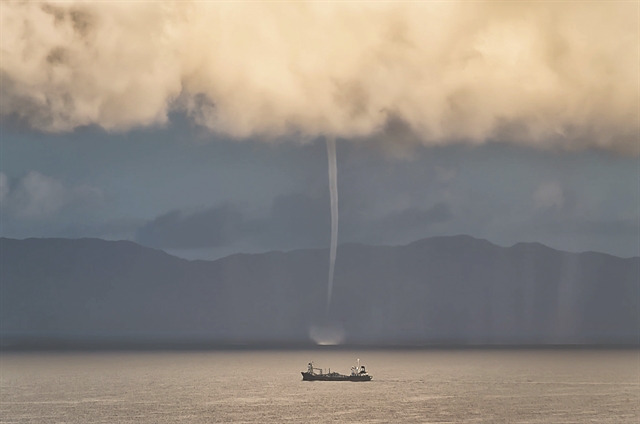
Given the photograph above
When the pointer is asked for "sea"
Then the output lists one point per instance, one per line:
(265, 386)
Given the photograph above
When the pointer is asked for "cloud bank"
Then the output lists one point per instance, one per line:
(560, 75)
(293, 221)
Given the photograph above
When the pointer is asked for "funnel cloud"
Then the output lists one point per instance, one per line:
(333, 189)
(557, 75)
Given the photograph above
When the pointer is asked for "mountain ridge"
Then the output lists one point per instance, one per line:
(525, 243)
(457, 289)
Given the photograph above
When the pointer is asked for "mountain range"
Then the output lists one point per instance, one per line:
(452, 290)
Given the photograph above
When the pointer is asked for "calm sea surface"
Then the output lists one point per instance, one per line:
(536, 386)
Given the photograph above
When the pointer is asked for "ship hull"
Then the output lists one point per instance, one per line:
(324, 377)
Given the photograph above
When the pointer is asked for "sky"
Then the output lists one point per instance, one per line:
(200, 128)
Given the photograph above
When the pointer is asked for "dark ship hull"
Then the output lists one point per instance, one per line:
(334, 377)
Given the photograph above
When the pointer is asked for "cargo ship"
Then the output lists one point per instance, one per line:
(358, 373)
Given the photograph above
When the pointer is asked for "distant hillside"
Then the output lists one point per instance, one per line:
(437, 290)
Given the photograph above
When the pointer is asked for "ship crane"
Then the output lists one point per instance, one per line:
(311, 369)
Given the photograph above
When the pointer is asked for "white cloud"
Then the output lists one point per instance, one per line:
(37, 196)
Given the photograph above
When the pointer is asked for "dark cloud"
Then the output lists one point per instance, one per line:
(255, 197)
(213, 227)
(396, 138)
(301, 220)
(294, 221)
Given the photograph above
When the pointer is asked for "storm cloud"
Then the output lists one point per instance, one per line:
(560, 75)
